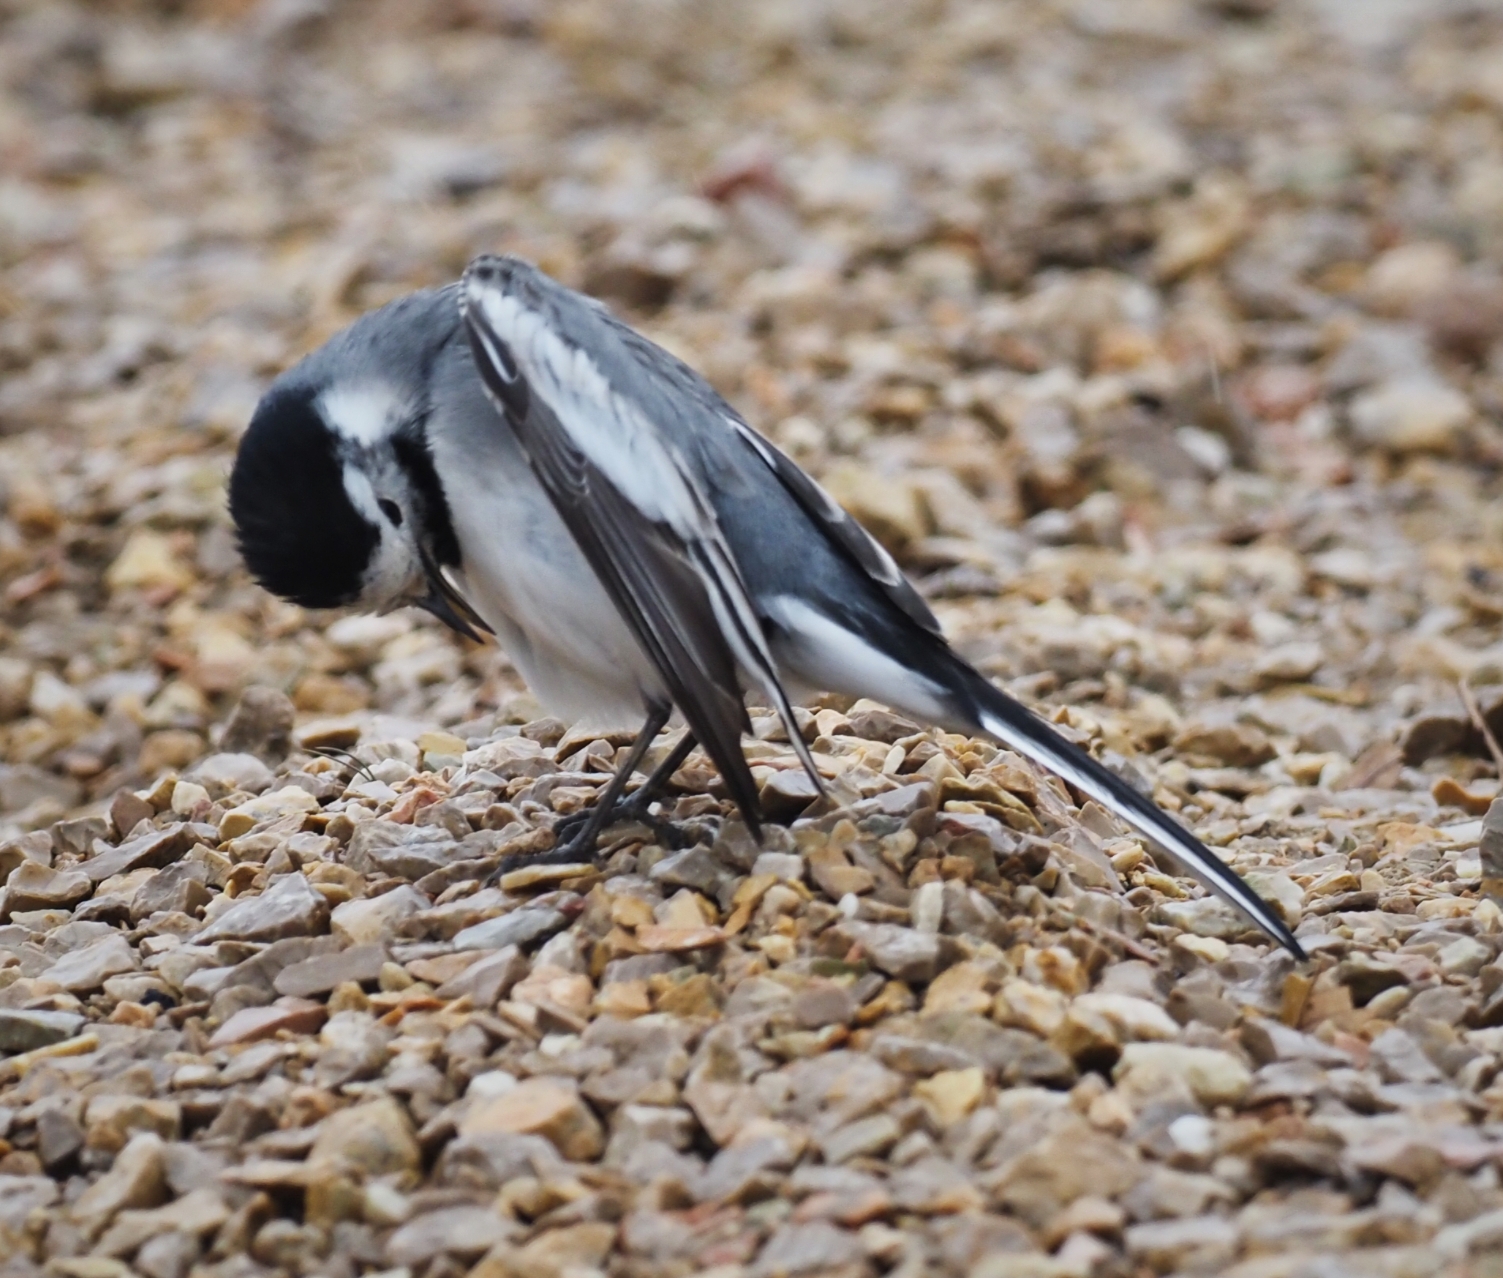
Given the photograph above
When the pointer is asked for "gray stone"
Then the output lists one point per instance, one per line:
(824, 1004)
(59, 1138)
(902, 952)
(76, 837)
(260, 725)
(22, 784)
(1287, 1080)
(669, 1125)
(127, 810)
(289, 907)
(259, 972)
(169, 1255)
(968, 913)
(786, 794)
(917, 1055)
(206, 982)
(865, 1138)
(878, 724)
(1410, 415)
(1491, 844)
(13, 856)
(1368, 975)
(355, 1046)
(22, 1031)
(153, 850)
(137, 1179)
(1009, 1056)
(1204, 916)
(1400, 1060)
(182, 888)
(1376, 351)
(747, 1171)
(228, 772)
(489, 979)
(313, 976)
(1267, 1040)
(783, 865)
(371, 920)
(829, 1090)
(21, 1195)
(812, 1248)
(694, 868)
(87, 969)
(74, 935)
(34, 886)
(520, 927)
(1483, 1233)
(933, 1185)
(463, 1232)
(402, 851)
(486, 1162)
(1205, 1243)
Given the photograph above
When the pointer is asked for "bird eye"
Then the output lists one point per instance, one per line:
(391, 510)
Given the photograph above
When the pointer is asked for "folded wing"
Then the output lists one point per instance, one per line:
(635, 509)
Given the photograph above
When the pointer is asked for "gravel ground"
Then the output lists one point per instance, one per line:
(1161, 340)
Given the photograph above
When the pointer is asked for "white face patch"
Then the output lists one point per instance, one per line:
(394, 568)
(362, 494)
(361, 414)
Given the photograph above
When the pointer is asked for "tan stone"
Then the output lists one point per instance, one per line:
(265, 807)
(375, 1139)
(198, 1212)
(656, 939)
(571, 990)
(374, 919)
(952, 1093)
(700, 995)
(295, 1015)
(136, 1179)
(1214, 1077)
(1074, 1161)
(625, 999)
(581, 1249)
(631, 912)
(34, 886)
(148, 559)
(1036, 1008)
(962, 988)
(546, 1107)
(110, 1121)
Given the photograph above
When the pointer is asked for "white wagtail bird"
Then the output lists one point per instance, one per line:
(508, 455)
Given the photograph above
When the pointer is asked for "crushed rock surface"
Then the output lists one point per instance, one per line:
(1161, 340)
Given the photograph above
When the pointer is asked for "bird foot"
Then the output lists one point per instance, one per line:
(632, 809)
(573, 846)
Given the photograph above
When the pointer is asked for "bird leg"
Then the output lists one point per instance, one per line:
(638, 805)
(577, 835)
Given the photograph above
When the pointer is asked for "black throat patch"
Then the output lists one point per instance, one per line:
(410, 444)
(300, 534)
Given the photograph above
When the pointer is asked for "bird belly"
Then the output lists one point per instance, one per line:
(525, 575)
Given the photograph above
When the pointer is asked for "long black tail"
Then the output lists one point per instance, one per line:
(991, 711)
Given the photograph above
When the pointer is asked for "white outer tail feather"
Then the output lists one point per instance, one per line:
(1219, 876)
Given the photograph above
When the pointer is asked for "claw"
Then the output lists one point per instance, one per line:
(567, 849)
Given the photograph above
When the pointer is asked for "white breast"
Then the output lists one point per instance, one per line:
(526, 576)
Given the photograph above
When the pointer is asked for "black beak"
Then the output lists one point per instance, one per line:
(448, 605)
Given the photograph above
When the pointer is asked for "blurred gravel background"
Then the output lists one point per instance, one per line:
(1161, 340)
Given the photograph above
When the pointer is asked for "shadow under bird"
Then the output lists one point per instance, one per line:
(508, 455)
